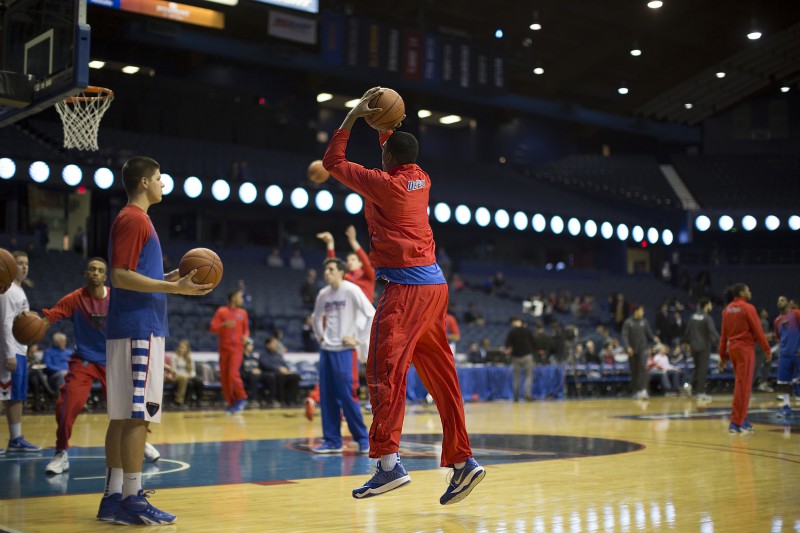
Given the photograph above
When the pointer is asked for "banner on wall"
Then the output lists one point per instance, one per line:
(432, 59)
(292, 27)
(198, 16)
(332, 37)
(412, 55)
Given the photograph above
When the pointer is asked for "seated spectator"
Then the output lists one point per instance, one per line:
(247, 298)
(296, 262)
(274, 259)
(457, 282)
(590, 353)
(284, 382)
(542, 344)
(309, 289)
(56, 361)
(43, 394)
(473, 316)
(660, 367)
(477, 354)
(310, 343)
(252, 376)
(179, 369)
(280, 347)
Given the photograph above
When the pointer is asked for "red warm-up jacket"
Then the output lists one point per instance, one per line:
(741, 327)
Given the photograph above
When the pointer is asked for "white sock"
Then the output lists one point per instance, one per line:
(15, 430)
(131, 484)
(459, 466)
(786, 398)
(388, 461)
(113, 481)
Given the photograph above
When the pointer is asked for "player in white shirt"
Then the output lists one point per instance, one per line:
(13, 358)
(342, 319)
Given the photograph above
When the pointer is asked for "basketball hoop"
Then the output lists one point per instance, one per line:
(81, 115)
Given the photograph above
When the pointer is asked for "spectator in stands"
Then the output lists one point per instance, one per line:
(741, 329)
(590, 353)
(275, 260)
(231, 325)
(444, 262)
(663, 321)
(280, 347)
(477, 354)
(247, 298)
(310, 343)
(180, 370)
(542, 343)
(473, 316)
(558, 347)
(309, 289)
(56, 361)
(253, 376)
(296, 262)
(620, 310)
(520, 344)
(701, 336)
(272, 362)
(457, 282)
(451, 328)
(636, 338)
(761, 369)
(660, 367)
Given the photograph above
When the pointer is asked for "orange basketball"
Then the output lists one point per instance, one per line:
(392, 110)
(317, 173)
(8, 270)
(207, 263)
(28, 328)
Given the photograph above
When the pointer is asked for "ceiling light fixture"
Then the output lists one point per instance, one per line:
(324, 97)
(785, 89)
(655, 4)
(720, 74)
(130, 69)
(535, 24)
(622, 90)
(688, 105)
(423, 113)
(538, 71)
(450, 119)
(97, 64)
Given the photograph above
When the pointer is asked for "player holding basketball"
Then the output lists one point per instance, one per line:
(409, 323)
(787, 331)
(741, 329)
(135, 330)
(13, 358)
(336, 316)
(230, 323)
(87, 307)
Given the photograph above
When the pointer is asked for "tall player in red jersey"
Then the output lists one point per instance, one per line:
(741, 329)
(409, 323)
(231, 325)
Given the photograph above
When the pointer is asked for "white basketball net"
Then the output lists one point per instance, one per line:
(81, 115)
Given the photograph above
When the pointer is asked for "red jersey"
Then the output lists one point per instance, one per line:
(741, 326)
(364, 277)
(395, 206)
(231, 338)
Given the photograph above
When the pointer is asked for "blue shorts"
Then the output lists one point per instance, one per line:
(788, 368)
(19, 381)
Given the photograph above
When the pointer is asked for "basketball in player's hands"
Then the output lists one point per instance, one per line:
(392, 110)
(207, 263)
(28, 328)
(8, 270)
(317, 173)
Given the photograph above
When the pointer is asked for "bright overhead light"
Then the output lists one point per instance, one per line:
(557, 225)
(794, 222)
(482, 217)
(655, 4)
(299, 198)
(785, 89)
(225, 2)
(720, 74)
(273, 195)
(324, 200)
(622, 232)
(688, 105)
(536, 26)
(353, 203)
(725, 223)
(702, 223)
(130, 69)
(423, 113)
(637, 233)
(606, 230)
(72, 175)
(652, 235)
(248, 193)
(520, 221)
(622, 90)
(350, 103)
(501, 218)
(667, 237)
(538, 71)
(441, 212)
(324, 97)
(39, 171)
(450, 119)
(7, 168)
(220, 190)
(574, 227)
(463, 215)
(192, 186)
(97, 64)
(538, 223)
(498, 33)
(104, 178)
(772, 222)
(169, 184)
(590, 228)
(636, 52)
(754, 35)
(749, 222)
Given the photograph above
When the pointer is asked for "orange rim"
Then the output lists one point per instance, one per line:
(101, 93)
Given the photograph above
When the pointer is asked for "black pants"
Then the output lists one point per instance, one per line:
(639, 375)
(700, 358)
(762, 368)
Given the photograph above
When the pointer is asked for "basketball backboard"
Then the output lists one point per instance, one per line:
(44, 54)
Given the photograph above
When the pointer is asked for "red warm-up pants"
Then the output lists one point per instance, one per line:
(409, 326)
(230, 378)
(73, 395)
(743, 359)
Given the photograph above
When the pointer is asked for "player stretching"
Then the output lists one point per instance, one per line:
(409, 323)
(741, 329)
(87, 307)
(787, 331)
(135, 331)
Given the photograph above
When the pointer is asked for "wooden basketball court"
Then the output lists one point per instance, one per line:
(570, 466)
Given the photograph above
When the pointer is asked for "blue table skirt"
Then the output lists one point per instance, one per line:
(495, 383)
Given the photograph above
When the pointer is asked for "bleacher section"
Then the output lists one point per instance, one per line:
(729, 181)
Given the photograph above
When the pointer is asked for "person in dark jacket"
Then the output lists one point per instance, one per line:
(276, 374)
(701, 335)
(636, 338)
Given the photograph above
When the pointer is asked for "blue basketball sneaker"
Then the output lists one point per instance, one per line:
(327, 448)
(383, 481)
(21, 445)
(747, 427)
(785, 413)
(462, 481)
(237, 407)
(734, 428)
(109, 506)
(137, 511)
